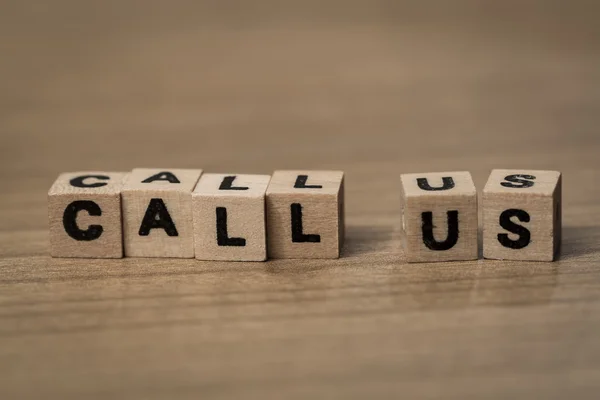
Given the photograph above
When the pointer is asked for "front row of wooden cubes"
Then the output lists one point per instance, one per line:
(522, 215)
(155, 214)
(176, 213)
(439, 217)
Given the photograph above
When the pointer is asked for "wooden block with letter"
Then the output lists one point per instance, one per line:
(522, 215)
(157, 212)
(229, 217)
(84, 210)
(305, 214)
(439, 217)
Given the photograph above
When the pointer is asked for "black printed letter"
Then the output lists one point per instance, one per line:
(298, 235)
(157, 216)
(79, 181)
(227, 184)
(301, 183)
(520, 181)
(447, 184)
(162, 176)
(223, 238)
(428, 238)
(506, 223)
(93, 232)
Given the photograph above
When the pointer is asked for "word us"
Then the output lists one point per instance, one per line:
(182, 213)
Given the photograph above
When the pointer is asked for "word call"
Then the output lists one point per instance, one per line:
(183, 213)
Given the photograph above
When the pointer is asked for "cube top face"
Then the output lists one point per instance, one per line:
(88, 183)
(306, 182)
(232, 185)
(160, 179)
(522, 182)
(438, 184)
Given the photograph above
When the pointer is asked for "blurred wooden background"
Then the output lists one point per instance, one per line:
(375, 88)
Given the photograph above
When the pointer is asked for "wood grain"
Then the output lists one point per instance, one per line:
(373, 88)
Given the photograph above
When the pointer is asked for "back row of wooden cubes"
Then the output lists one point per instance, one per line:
(521, 216)
(183, 213)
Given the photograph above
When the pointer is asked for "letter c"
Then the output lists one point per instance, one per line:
(93, 232)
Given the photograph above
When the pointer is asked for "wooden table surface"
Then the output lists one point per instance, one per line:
(375, 88)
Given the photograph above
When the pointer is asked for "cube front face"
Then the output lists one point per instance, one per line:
(84, 210)
(157, 213)
(439, 217)
(305, 214)
(229, 217)
(522, 215)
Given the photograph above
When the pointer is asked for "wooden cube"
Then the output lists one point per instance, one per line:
(522, 215)
(439, 217)
(305, 214)
(157, 212)
(229, 217)
(84, 210)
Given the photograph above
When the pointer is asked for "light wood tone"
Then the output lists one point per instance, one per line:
(107, 243)
(245, 217)
(539, 195)
(305, 219)
(374, 88)
(175, 195)
(439, 199)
